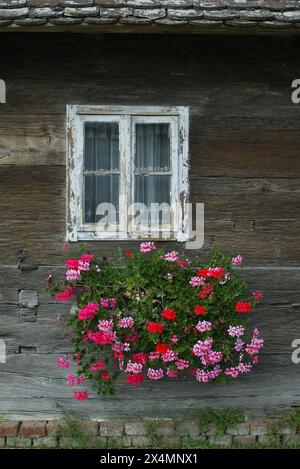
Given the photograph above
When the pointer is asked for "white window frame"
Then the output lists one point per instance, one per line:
(126, 117)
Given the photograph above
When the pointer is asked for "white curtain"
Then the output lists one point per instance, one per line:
(152, 155)
(101, 154)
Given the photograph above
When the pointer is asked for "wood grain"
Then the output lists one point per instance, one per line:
(244, 165)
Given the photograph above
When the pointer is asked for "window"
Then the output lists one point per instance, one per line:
(127, 172)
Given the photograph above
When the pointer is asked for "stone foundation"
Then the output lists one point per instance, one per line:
(138, 433)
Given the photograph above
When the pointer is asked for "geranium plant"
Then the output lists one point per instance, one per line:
(150, 314)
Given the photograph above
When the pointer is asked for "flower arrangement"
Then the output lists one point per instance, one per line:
(149, 314)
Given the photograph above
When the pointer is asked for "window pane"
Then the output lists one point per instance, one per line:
(98, 190)
(152, 147)
(152, 189)
(101, 146)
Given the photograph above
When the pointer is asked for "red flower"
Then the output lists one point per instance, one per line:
(128, 253)
(257, 295)
(169, 314)
(200, 310)
(216, 272)
(207, 290)
(139, 358)
(155, 327)
(183, 264)
(81, 395)
(105, 376)
(132, 338)
(87, 257)
(65, 295)
(243, 307)
(202, 272)
(118, 355)
(213, 272)
(163, 348)
(134, 379)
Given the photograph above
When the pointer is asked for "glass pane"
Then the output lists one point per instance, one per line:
(101, 146)
(152, 147)
(152, 189)
(98, 190)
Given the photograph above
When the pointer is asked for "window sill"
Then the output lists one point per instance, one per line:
(121, 236)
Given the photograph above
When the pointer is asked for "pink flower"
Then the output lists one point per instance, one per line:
(78, 358)
(83, 266)
(66, 247)
(202, 376)
(233, 372)
(72, 274)
(203, 350)
(80, 379)
(207, 375)
(147, 247)
(101, 338)
(236, 331)
(73, 381)
(202, 347)
(172, 256)
(98, 366)
(237, 260)
(135, 368)
(108, 302)
(174, 339)
(154, 356)
(254, 347)
(88, 312)
(117, 347)
(257, 295)
(49, 281)
(182, 364)
(197, 281)
(212, 358)
(203, 326)
(169, 356)
(244, 368)
(106, 325)
(155, 374)
(81, 395)
(239, 344)
(126, 323)
(63, 362)
(227, 277)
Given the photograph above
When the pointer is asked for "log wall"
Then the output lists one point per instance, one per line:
(244, 165)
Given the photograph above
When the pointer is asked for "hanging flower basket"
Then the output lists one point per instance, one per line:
(148, 314)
